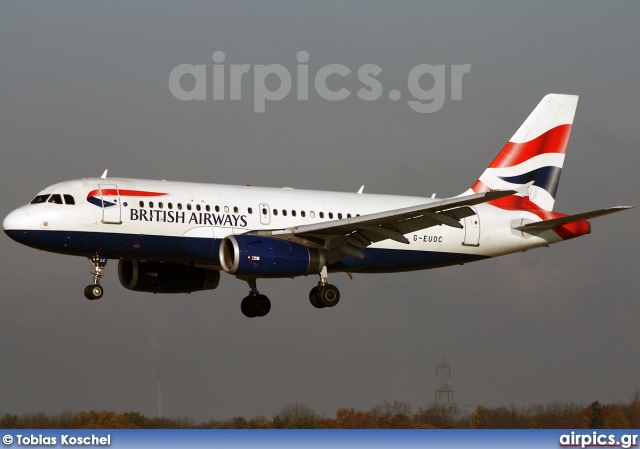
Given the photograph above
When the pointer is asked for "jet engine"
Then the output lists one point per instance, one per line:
(165, 277)
(258, 256)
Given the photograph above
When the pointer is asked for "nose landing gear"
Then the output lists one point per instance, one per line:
(95, 290)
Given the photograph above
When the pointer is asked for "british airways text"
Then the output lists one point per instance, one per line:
(199, 218)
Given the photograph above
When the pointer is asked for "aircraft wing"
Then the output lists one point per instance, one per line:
(351, 235)
(550, 224)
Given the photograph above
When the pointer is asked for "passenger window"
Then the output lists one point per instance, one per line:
(141, 203)
(56, 199)
(151, 204)
(68, 199)
(160, 204)
(235, 209)
(170, 206)
(293, 213)
(340, 215)
(330, 214)
(250, 210)
(188, 206)
(264, 211)
(302, 214)
(284, 212)
(217, 208)
(207, 208)
(226, 209)
(40, 199)
(179, 206)
(321, 214)
(312, 214)
(275, 211)
(197, 207)
(348, 215)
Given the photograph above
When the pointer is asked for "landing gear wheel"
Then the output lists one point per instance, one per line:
(94, 291)
(255, 306)
(328, 295)
(247, 307)
(261, 305)
(313, 298)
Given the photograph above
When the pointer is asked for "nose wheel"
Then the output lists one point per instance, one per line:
(92, 292)
(95, 290)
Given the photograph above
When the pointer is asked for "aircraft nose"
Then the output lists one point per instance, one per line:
(15, 221)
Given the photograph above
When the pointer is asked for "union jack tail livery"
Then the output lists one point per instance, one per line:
(531, 162)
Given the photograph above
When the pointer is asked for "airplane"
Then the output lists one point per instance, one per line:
(177, 237)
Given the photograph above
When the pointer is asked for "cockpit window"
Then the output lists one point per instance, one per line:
(56, 199)
(40, 199)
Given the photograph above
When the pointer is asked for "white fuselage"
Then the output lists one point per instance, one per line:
(147, 220)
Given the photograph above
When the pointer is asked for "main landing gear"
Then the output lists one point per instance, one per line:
(324, 295)
(95, 290)
(255, 305)
(321, 296)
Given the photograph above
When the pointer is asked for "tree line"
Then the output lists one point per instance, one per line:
(389, 415)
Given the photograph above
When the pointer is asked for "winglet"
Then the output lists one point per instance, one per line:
(104, 175)
(361, 190)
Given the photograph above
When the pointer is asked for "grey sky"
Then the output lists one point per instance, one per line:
(84, 87)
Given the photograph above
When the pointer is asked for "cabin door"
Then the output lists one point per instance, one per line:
(110, 196)
(472, 230)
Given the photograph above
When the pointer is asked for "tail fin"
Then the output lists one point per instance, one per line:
(535, 153)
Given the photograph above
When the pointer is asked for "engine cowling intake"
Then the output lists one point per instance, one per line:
(252, 255)
(165, 277)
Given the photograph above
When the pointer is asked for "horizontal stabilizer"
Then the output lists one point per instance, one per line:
(550, 224)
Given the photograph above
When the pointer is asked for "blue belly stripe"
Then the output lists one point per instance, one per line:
(179, 248)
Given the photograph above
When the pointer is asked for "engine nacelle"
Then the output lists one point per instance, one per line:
(159, 277)
(253, 255)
